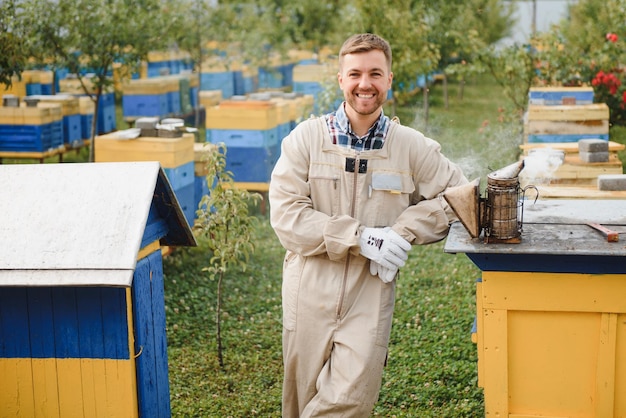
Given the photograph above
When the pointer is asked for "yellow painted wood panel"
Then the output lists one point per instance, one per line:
(567, 147)
(554, 292)
(170, 152)
(480, 343)
(596, 111)
(605, 373)
(620, 366)
(70, 388)
(46, 388)
(16, 388)
(551, 362)
(241, 117)
(33, 388)
(548, 127)
(496, 388)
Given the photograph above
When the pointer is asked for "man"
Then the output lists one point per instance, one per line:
(350, 193)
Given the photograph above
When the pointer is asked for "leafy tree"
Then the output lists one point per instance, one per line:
(225, 226)
(12, 32)
(87, 37)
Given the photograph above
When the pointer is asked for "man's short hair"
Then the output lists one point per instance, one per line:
(365, 42)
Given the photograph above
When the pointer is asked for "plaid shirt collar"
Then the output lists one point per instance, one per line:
(341, 132)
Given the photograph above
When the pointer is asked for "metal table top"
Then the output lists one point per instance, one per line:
(555, 227)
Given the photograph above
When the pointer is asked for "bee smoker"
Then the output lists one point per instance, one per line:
(498, 217)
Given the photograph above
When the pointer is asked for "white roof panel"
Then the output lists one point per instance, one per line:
(82, 218)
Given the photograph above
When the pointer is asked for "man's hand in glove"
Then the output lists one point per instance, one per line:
(384, 246)
(385, 274)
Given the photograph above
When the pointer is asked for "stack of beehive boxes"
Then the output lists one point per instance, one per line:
(86, 108)
(201, 185)
(173, 149)
(563, 120)
(30, 83)
(249, 129)
(70, 109)
(313, 78)
(146, 97)
(106, 119)
(216, 75)
(34, 129)
(565, 114)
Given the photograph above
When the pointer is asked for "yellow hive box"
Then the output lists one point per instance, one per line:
(200, 151)
(305, 107)
(213, 65)
(8, 115)
(54, 112)
(595, 111)
(242, 114)
(194, 79)
(298, 55)
(567, 147)
(158, 56)
(17, 88)
(210, 98)
(170, 152)
(172, 82)
(284, 110)
(69, 104)
(46, 77)
(552, 344)
(86, 105)
(319, 73)
(72, 85)
(152, 85)
(23, 115)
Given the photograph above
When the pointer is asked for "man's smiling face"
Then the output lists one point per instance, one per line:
(365, 78)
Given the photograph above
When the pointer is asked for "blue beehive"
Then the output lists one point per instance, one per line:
(223, 81)
(30, 128)
(82, 315)
(107, 121)
(72, 131)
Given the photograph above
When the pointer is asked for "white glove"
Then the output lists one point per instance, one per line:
(385, 274)
(384, 246)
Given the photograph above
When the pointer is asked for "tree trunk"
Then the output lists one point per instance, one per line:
(218, 321)
(425, 97)
(94, 125)
(445, 91)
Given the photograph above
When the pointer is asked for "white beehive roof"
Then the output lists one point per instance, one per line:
(78, 223)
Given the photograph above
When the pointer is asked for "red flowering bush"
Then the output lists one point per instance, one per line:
(601, 63)
(609, 82)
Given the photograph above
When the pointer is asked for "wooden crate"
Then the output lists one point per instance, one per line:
(560, 96)
(566, 123)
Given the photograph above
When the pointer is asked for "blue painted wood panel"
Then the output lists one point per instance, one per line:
(549, 263)
(150, 338)
(63, 322)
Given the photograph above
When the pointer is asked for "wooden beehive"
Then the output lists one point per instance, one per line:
(566, 123)
(82, 313)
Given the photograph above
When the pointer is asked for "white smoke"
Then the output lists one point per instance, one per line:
(541, 164)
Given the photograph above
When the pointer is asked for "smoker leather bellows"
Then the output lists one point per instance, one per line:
(497, 217)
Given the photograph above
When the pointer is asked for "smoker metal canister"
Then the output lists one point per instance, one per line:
(504, 203)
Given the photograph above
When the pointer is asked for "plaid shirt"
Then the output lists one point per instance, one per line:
(341, 132)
